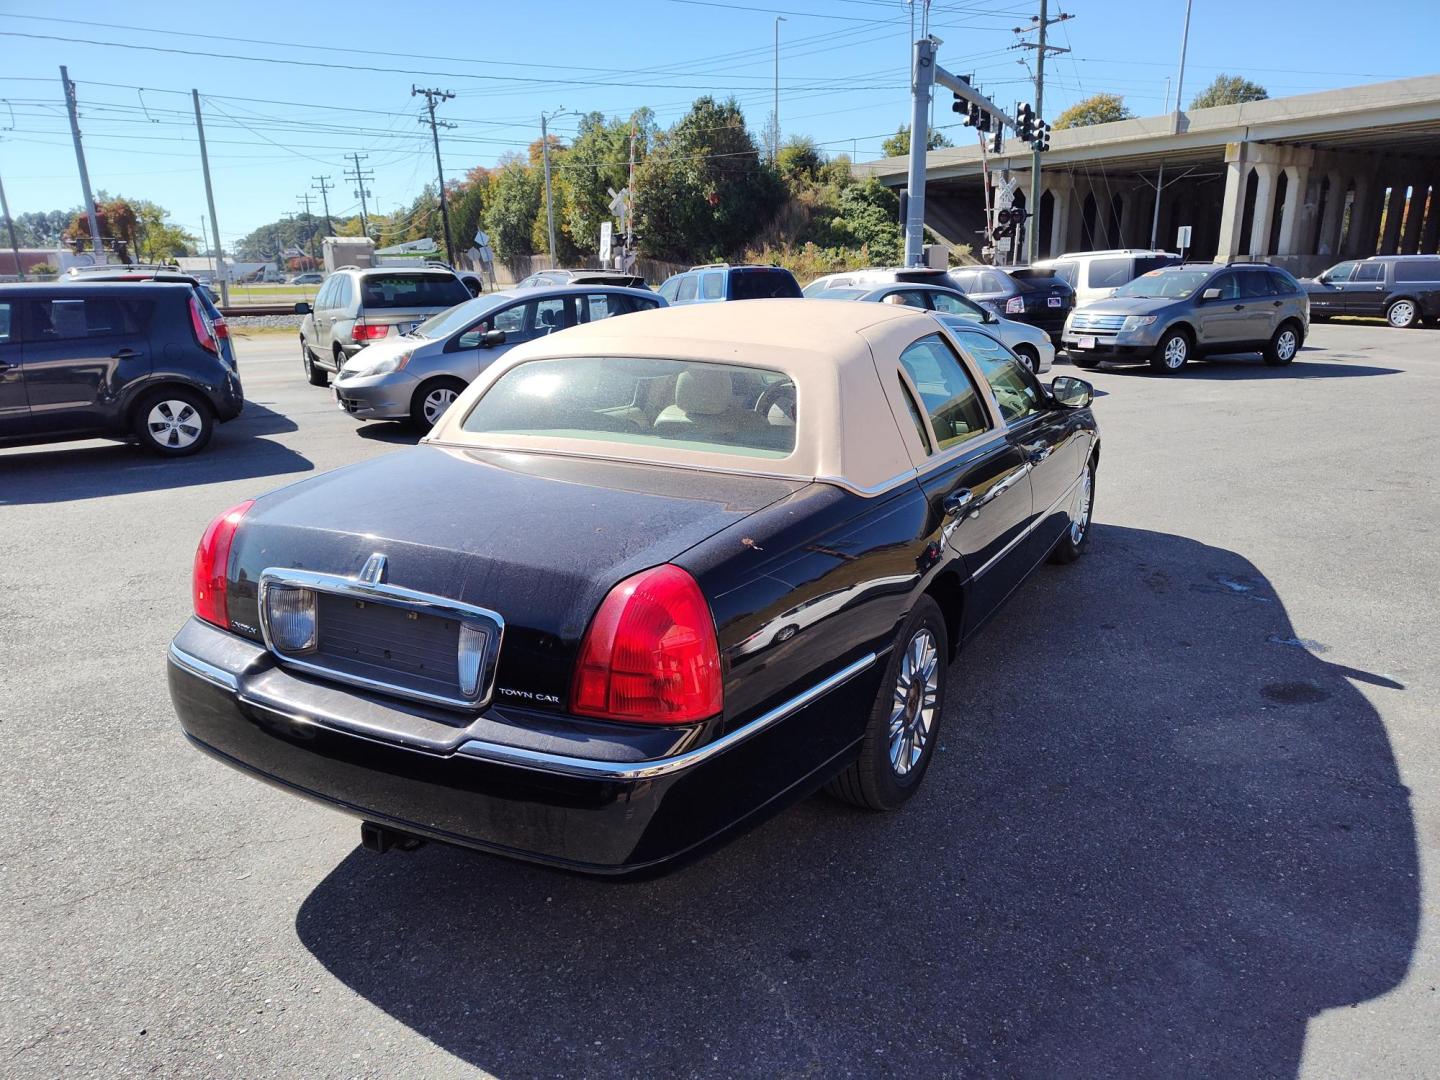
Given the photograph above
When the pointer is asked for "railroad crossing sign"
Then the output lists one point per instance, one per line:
(620, 207)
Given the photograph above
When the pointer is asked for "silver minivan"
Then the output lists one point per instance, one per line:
(416, 375)
(356, 308)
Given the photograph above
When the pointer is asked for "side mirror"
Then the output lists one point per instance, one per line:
(302, 308)
(1072, 393)
(1209, 294)
(491, 338)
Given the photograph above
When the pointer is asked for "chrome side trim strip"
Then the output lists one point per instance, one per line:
(1033, 525)
(200, 669)
(648, 770)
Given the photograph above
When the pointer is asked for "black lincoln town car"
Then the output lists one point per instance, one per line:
(647, 581)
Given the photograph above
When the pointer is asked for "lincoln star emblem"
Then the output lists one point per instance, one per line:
(374, 570)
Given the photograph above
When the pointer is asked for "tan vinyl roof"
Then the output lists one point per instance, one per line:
(846, 429)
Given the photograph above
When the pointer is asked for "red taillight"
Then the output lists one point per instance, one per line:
(212, 561)
(650, 654)
(200, 323)
(361, 332)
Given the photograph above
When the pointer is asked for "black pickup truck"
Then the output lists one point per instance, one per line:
(1404, 290)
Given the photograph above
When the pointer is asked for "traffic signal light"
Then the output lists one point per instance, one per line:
(1025, 122)
(1042, 136)
(997, 140)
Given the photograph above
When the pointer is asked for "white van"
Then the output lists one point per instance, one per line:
(1094, 275)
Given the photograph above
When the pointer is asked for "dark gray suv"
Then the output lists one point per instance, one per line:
(136, 360)
(1170, 316)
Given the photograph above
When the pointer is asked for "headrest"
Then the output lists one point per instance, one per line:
(703, 392)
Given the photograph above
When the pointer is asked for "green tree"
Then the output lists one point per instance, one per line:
(597, 161)
(703, 191)
(1229, 90)
(515, 199)
(1098, 109)
(43, 228)
(898, 145)
(867, 215)
(157, 240)
(799, 160)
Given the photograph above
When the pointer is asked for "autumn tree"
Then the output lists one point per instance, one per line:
(1229, 90)
(1098, 109)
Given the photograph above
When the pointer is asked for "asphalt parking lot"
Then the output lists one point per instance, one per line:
(1185, 820)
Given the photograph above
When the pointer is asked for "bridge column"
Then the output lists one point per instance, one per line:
(1265, 176)
(1062, 192)
(1232, 207)
(1432, 226)
(1292, 214)
(1419, 192)
(1364, 216)
(1394, 213)
(1328, 242)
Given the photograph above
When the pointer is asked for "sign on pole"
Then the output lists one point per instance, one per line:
(607, 234)
(1182, 237)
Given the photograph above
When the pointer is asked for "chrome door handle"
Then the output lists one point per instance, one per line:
(124, 354)
(958, 500)
(1239, 307)
(1039, 453)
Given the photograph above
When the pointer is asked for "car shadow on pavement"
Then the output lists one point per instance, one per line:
(64, 472)
(1227, 368)
(401, 434)
(1161, 835)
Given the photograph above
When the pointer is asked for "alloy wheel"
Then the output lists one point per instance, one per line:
(174, 424)
(436, 402)
(1175, 352)
(912, 713)
(1402, 313)
(1286, 344)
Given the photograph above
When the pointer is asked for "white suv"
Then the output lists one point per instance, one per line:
(1094, 275)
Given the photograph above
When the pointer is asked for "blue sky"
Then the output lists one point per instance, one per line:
(843, 75)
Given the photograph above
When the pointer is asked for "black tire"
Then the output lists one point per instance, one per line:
(314, 374)
(1284, 345)
(338, 359)
(1172, 353)
(1029, 357)
(1083, 362)
(173, 422)
(1077, 533)
(1403, 314)
(872, 781)
(430, 395)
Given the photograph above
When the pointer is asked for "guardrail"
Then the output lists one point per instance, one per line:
(258, 309)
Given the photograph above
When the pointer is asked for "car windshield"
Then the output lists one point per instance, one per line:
(459, 317)
(1167, 284)
(687, 404)
(412, 290)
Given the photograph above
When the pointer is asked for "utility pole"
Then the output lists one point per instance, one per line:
(1175, 124)
(1041, 23)
(10, 224)
(324, 186)
(210, 201)
(95, 240)
(775, 150)
(304, 199)
(545, 153)
(433, 98)
(360, 177)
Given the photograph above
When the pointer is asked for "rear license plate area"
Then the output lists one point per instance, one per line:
(408, 649)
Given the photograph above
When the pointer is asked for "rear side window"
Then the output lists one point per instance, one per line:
(411, 290)
(1418, 270)
(1256, 283)
(1110, 273)
(1282, 284)
(669, 289)
(4, 323)
(1370, 271)
(762, 284)
(712, 286)
(63, 320)
(947, 393)
(905, 298)
(597, 306)
(991, 282)
(687, 288)
(957, 305)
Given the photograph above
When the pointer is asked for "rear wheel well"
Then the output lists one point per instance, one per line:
(149, 390)
(946, 591)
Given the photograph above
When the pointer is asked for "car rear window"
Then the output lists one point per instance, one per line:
(687, 404)
(762, 284)
(412, 290)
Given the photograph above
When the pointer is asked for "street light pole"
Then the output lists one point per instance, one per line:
(549, 203)
(775, 148)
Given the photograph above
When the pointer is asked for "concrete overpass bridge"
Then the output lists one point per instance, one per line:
(1299, 181)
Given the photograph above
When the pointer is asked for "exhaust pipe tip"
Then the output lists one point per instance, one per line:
(382, 838)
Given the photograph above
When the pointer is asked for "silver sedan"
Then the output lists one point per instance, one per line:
(416, 376)
(1031, 344)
